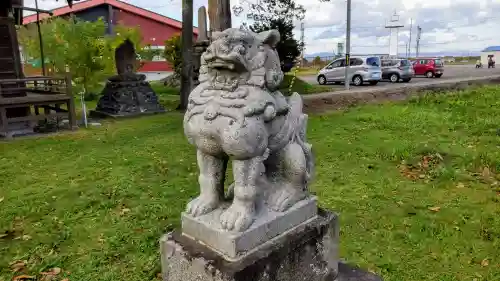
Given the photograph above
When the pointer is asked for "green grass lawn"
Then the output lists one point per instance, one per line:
(416, 186)
(301, 87)
(308, 70)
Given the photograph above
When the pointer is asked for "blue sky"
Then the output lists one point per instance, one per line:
(458, 25)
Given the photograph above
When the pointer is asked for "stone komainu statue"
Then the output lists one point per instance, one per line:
(236, 113)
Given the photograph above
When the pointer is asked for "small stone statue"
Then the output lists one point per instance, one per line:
(127, 93)
(237, 113)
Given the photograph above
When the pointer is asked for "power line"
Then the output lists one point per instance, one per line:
(425, 45)
(461, 25)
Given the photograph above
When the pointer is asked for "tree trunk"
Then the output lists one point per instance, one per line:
(187, 53)
(219, 13)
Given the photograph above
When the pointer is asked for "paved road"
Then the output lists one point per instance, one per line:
(450, 72)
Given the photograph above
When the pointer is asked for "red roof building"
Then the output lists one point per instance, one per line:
(155, 28)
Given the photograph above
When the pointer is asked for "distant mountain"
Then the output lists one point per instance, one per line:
(424, 54)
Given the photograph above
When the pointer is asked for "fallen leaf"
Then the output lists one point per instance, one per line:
(124, 211)
(435, 209)
(51, 274)
(1, 199)
(486, 172)
(18, 265)
(24, 237)
(460, 185)
(434, 256)
(485, 263)
(399, 203)
(65, 279)
(23, 277)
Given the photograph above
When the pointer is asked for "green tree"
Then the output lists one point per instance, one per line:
(317, 60)
(279, 15)
(173, 53)
(80, 47)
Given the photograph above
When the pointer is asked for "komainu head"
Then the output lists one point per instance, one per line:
(250, 57)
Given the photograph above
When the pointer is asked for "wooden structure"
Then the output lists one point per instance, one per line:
(21, 98)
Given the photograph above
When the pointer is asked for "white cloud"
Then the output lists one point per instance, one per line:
(458, 25)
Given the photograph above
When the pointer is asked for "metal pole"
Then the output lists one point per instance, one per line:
(409, 41)
(419, 33)
(42, 57)
(302, 41)
(348, 45)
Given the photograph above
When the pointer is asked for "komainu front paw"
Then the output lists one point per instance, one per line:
(284, 198)
(238, 217)
(202, 205)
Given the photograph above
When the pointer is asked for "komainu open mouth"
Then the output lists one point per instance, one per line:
(220, 64)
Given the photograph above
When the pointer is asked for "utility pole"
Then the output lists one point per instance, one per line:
(187, 53)
(419, 34)
(42, 57)
(409, 41)
(347, 45)
(302, 41)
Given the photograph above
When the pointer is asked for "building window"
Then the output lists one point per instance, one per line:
(152, 53)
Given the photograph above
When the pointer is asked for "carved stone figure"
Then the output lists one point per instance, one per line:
(127, 93)
(237, 113)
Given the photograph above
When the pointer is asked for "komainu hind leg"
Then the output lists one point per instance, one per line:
(212, 172)
(288, 178)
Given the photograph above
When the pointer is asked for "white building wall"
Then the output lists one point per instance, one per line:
(484, 57)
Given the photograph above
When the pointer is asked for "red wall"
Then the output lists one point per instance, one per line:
(150, 29)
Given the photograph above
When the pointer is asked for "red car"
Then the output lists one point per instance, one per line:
(429, 67)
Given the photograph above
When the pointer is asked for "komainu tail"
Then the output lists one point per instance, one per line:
(299, 120)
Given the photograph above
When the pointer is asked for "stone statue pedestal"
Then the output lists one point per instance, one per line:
(126, 95)
(307, 251)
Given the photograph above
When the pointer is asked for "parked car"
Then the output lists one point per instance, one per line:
(361, 70)
(430, 67)
(395, 70)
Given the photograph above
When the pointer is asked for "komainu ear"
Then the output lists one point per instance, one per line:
(269, 37)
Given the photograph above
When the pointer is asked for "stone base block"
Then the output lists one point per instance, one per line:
(306, 252)
(233, 246)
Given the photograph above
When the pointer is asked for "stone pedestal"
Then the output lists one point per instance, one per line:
(127, 95)
(305, 252)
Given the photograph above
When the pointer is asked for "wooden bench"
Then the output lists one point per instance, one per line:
(21, 101)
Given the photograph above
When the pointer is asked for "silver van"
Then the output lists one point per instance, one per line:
(361, 70)
(397, 69)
